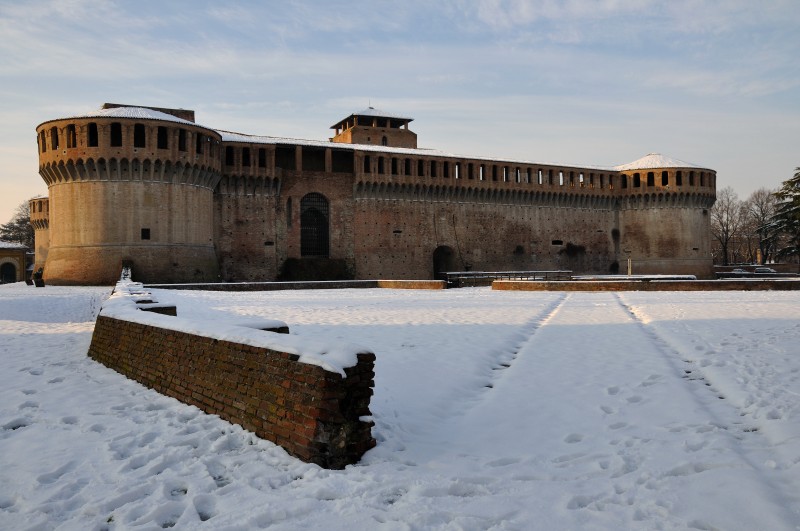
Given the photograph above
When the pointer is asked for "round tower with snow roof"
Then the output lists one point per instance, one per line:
(129, 184)
(664, 220)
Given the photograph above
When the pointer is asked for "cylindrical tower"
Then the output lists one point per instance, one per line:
(664, 216)
(129, 184)
(39, 208)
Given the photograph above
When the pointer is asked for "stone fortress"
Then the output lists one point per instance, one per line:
(183, 202)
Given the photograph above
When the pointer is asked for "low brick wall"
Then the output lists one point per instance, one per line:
(652, 285)
(278, 286)
(313, 413)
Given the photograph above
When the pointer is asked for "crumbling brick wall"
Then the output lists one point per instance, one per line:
(314, 414)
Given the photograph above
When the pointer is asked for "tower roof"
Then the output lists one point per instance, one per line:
(375, 113)
(655, 160)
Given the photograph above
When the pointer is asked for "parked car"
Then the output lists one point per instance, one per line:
(738, 270)
(764, 270)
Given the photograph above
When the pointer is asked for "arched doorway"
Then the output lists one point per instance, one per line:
(8, 273)
(314, 226)
(444, 260)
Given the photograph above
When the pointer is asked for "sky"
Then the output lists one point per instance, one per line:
(581, 82)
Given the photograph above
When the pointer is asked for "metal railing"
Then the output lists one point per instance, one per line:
(460, 279)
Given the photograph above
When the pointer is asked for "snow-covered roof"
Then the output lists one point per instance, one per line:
(655, 160)
(139, 113)
(228, 136)
(11, 245)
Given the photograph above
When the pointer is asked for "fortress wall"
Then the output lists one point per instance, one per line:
(245, 230)
(398, 238)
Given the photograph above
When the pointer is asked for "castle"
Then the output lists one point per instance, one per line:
(183, 202)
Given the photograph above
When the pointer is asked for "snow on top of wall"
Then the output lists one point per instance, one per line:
(248, 331)
(655, 160)
(372, 111)
(139, 113)
(11, 245)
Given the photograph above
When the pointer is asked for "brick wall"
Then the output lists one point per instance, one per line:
(312, 413)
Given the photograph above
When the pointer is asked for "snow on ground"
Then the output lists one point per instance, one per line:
(493, 410)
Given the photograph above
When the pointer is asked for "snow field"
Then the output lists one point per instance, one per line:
(493, 410)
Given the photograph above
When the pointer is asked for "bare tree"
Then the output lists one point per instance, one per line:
(760, 208)
(727, 220)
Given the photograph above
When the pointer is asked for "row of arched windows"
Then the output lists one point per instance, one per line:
(693, 178)
(163, 138)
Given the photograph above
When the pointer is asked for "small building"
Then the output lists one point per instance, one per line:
(12, 262)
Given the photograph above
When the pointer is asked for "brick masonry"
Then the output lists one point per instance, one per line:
(660, 285)
(314, 414)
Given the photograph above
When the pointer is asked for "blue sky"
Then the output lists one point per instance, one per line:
(602, 82)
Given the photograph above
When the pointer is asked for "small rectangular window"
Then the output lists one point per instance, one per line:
(181, 139)
(43, 141)
(664, 178)
(138, 136)
(198, 143)
(163, 139)
(246, 156)
(54, 138)
(91, 135)
(145, 234)
(678, 178)
(651, 179)
(367, 166)
(262, 158)
(228, 155)
(420, 168)
(72, 138)
(116, 134)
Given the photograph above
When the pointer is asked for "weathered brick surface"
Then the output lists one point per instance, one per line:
(663, 285)
(312, 413)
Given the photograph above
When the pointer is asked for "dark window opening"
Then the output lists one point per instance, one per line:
(420, 168)
(262, 158)
(367, 165)
(43, 141)
(313, 159)
(289, 213)
(138, 136)
(145, 234)
(384, 141)
(664, 178)
(691, 178)
(623, 181)
(407, 169)
(446, 170)
(228, 155)
(162, 139)
(678, 178)
(314, 238)
(181, 139)
(702, 178)
(394, 166)
(557, 242)
(116, 134)
(285, 157)
(72, 139)
(198, 143)
(434, 168)
(637, 180)
(343, 161)
(380, 165)
(494, 172)
(54, 138)
(651, 179)
(245, 156)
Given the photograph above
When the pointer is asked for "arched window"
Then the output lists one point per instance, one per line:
(54, 137)
(72, 137)
(314, 237)
(384, 141)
